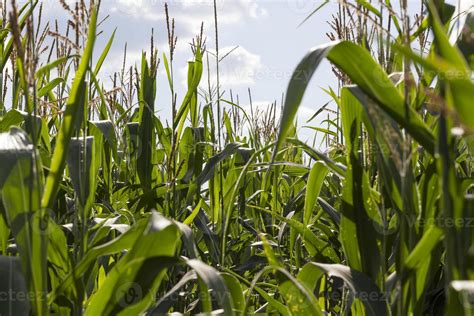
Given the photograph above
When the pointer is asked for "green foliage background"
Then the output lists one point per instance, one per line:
(106, 210)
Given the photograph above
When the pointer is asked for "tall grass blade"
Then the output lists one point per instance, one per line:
(74, 105)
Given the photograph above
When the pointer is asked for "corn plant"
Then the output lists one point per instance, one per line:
(107, 209)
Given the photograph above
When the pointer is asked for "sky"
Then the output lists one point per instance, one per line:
(270, 43)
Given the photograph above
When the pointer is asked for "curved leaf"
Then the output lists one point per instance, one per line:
(361, 286)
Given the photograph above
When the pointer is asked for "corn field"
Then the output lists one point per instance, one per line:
(108, 209)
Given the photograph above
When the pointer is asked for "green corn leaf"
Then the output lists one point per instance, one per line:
(10, 119)
(123, 241)
(208, 171)
(459, 76)
(193, 83)
(236, 292)
(147, 94)
(212, 280)
(83, 170)
(104, 54)
(73, 111)
(49, 87)
(46, 69)
(297, 87)
(314, 244)
(190, 219)
(106, 127)
(448, 52)
(299, 300)
(336, 167)
(362, 287)
(20, 187)
(424, 247)
(316, 178)
(131, 284)
(364, 71)
(166, 300)
(464, 42)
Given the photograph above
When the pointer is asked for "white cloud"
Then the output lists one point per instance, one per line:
(140, 9)
(230, 11)
(188, 14)
(115, 61)
(191, 12)
(239, 68)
